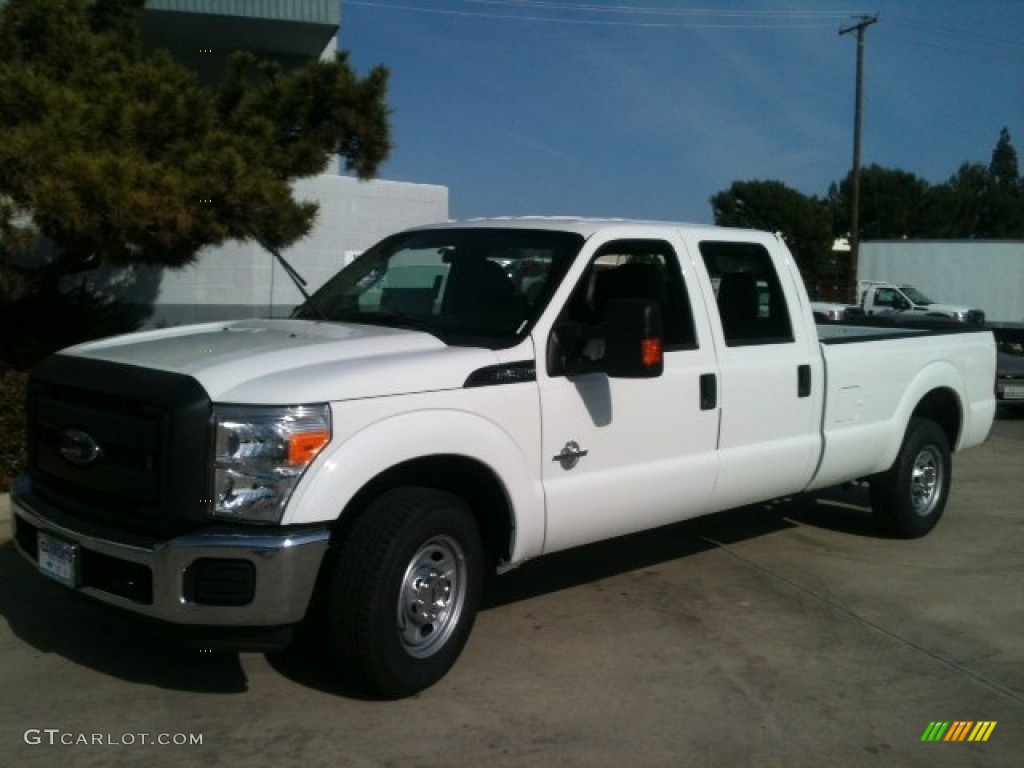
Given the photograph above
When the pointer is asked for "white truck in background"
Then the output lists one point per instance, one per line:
(879, 297)
(987, 274)
(896, 301)
(462, 398)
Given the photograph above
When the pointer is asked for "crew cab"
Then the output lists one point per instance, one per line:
(462, 398)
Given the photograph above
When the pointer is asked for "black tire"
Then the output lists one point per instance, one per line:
(909, 498)
(404, 590)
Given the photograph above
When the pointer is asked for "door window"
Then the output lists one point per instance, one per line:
(625, 269)
(885, 297)
(750, 300)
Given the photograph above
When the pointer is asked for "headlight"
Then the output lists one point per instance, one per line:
(260, 452)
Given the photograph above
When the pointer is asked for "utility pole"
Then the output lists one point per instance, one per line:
(859, 27)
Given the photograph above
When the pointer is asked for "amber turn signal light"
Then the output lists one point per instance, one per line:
(650, 352)
(303, 446)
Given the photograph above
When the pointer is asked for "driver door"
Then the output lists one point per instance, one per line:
(622, 455)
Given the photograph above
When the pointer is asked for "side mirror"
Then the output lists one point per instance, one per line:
(633, 340)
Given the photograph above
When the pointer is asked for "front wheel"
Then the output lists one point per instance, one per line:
(404, 591)
(910, 497)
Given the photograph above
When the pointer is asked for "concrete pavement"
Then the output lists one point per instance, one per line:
(781, 635)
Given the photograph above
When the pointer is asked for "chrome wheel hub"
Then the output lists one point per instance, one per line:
(432, 595)
(925, 481)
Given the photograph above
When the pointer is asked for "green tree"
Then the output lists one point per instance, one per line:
(117, 155)
(1003, 170)
(1003, 214)
(956, 209)
(892, 204)
(803, 221)
(976, 201)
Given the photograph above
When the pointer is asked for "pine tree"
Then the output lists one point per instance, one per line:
(1003, 170)
(1003, 211)
(119, 156)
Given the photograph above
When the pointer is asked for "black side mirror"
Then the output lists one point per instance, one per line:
(633, 340)
(565, 349)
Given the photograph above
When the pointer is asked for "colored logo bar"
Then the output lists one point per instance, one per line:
(958, 730)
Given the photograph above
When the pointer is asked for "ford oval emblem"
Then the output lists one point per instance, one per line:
(79, 447)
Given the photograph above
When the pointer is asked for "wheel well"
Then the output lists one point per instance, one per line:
(942, 407)
(470, 480)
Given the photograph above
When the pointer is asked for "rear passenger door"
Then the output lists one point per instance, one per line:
(771, 376)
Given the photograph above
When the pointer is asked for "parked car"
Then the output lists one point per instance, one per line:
(1010, 374)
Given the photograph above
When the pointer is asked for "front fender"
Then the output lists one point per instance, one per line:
(347, 466)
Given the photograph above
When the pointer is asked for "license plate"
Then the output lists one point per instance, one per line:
(1013, 391)
(58, 559)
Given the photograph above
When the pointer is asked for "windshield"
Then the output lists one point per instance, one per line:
(915, 295)
(465, 286)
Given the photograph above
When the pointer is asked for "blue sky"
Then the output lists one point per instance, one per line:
(645, 109)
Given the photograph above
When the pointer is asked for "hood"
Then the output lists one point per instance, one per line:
(295, 361)
(951, 309)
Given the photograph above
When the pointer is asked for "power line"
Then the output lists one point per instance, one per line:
(909, 31)
(968, 35)
(919, 42)
(919, 39)
(667, 18)
(659, 11)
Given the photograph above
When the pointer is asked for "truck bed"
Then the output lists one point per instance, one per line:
(841, 333)
(877, 375)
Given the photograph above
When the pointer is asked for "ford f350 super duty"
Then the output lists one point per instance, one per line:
(465, 397)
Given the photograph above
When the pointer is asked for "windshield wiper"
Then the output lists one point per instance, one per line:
(298, 279)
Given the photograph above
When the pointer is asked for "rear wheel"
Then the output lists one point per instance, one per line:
(404, 591)
(910, 497)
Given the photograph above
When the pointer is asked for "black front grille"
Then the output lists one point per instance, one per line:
(150, 434)
(127, 471)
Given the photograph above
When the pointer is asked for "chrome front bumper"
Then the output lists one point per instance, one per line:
(284, 565)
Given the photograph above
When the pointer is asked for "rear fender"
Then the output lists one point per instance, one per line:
(939, 389)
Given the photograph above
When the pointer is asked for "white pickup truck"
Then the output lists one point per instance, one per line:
(466, 397)
(895, 302)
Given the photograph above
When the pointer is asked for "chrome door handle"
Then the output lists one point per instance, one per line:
(570, 455)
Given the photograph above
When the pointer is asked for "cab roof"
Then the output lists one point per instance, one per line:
(580, 225)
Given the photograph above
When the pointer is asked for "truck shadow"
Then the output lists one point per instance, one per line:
(52, 620)
(845, 511)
